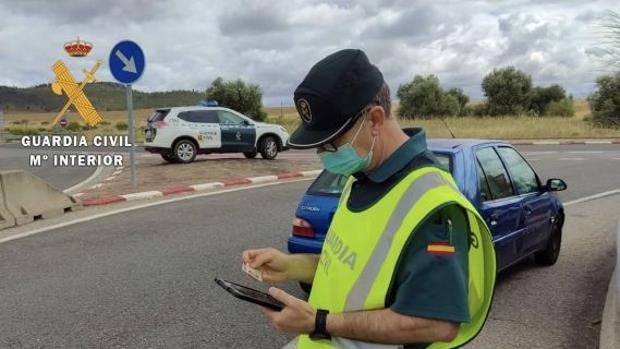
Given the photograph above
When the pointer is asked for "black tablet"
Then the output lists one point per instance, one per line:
(250, 295)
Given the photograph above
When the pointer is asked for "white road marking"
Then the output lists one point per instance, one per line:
(82, 183)
(593, 197)
(137, 207)
(539, 152)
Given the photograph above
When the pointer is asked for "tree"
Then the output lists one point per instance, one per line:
(240, 96)
(541, 97)
(424, 97)
(507, 90)
(461, 97)
(605, 102)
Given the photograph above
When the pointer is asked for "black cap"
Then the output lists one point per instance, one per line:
(333, 93)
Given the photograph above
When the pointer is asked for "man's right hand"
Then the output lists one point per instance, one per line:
(274, 265)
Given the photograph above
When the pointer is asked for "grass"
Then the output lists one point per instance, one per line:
(515, 127)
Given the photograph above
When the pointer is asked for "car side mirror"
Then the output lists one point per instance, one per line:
(245, 123)
(555, 184)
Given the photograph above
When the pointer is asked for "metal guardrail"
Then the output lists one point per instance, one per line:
(610, 323)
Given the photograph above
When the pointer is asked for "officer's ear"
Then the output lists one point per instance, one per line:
(377, 119)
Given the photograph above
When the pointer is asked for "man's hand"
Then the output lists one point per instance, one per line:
(297, 317)
(273, 264)
(276, 266)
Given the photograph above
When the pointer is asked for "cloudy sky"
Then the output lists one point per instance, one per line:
(274, 43)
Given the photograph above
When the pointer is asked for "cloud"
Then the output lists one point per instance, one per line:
(189, 43)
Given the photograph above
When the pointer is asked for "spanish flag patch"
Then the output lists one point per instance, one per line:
(440, 248)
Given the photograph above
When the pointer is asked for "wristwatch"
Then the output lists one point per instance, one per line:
(320, 325)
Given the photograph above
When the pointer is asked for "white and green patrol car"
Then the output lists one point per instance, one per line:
(180, 133)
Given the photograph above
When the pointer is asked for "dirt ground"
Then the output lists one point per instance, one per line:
(153, 173)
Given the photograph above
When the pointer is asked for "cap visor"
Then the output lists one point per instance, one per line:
(303, 138)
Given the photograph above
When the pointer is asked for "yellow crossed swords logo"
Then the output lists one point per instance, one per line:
(66, 83)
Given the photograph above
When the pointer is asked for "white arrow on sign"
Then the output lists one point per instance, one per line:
(130, 65)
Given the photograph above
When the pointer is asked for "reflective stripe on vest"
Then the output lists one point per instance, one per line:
(361, 252)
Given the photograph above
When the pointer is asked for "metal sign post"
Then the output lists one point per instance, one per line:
(132, 150)
(1, 126)
(126, 64)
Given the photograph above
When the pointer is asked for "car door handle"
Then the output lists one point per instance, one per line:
(493, 218)
(527, 209)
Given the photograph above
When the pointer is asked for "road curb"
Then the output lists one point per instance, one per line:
(177, 189)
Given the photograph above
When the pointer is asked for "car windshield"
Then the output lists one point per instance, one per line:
(331, 184)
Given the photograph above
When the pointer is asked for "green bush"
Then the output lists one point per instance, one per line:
(121, 126)
(24, 122)
(23, 131)
(42, 129)
(605, 102)
(105, 123)
(16, 122)
(480, 109)
(508, 91)
(243, 97)
(564, 107)
(74, 126)
(45, 123)
(425, 98)
(541, 97)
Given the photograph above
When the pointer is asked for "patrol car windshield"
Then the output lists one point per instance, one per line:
(158, 115)
(331, 184)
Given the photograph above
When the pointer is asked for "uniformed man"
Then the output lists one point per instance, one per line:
(407, 261)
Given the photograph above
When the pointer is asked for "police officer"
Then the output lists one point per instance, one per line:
(407, 261)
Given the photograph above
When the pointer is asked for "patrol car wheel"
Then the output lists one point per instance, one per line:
(184, 151)
(250, 155)
(549, 255)
(269, 148)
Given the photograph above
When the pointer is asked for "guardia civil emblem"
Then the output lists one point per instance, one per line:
(303, 108)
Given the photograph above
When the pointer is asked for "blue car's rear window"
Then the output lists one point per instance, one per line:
(331, 184)
(328, 184)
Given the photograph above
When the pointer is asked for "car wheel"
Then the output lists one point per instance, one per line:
(549, 255)
(184, 151)
(305, 287)
(168, 157)
(250, 155)
(269, 148)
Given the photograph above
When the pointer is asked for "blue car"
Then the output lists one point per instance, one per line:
(524, 215)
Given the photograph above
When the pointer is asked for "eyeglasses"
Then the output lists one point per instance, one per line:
(330, 147)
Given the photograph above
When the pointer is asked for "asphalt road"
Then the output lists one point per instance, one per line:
(145, 278)
(15, 157)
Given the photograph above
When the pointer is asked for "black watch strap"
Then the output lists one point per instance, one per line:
(320, 325)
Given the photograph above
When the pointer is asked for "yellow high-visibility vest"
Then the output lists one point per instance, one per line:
(361, 252)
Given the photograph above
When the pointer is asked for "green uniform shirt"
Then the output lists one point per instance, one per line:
(425, 285)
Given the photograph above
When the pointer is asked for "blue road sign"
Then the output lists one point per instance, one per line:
(126, 62)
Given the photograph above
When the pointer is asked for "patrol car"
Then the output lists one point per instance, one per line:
(181, 133)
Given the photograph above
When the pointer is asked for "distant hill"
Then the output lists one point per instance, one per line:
(104, 96)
